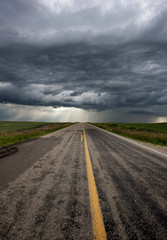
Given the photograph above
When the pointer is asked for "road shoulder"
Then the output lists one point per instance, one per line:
(149, 146)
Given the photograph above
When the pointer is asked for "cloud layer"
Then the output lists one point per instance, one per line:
(131, 77)
(94, 55)
(55, 21)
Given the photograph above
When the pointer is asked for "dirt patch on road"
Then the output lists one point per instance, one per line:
(6, 151)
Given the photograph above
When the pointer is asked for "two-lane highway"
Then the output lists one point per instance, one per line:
(83, 183)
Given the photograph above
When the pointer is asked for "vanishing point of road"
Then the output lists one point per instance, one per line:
(83, 183)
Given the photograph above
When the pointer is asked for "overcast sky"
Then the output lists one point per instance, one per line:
(80, 60)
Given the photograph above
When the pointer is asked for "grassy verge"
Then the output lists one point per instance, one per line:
(8, 126)
(9, 136)
(153, 133)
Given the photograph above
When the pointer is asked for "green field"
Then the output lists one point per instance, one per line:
(7, 126)
(14, 132)
(155, 127)
(155, 133)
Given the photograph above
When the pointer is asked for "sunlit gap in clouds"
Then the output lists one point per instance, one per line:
(161, 119)
(15, 112)
(57, 6)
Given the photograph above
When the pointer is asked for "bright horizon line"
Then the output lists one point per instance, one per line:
(83, 122)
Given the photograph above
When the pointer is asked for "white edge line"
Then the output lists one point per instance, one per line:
(124, 138)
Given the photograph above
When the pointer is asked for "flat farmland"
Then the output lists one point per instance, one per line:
(155, 133)
(8, 126)
(14, 132)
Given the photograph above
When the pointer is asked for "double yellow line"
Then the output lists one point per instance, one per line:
(99, 232)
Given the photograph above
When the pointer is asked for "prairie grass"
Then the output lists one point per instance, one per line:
(7, 126)
(153, 133)
(37, 129)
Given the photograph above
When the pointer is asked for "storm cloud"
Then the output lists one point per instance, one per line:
(55, 21)
(91, 55)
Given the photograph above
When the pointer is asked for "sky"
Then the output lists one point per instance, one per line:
(80, 60)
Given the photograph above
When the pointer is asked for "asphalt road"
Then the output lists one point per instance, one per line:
(45, 192)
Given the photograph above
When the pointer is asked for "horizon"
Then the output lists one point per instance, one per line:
(86, 122)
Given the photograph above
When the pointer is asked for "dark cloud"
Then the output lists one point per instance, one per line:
(109, 21)
(143, 112)
(95, 55)
(157, 29)
(131, 77)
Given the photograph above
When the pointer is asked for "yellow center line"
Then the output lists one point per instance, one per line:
(99, 232)
(81, 138)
